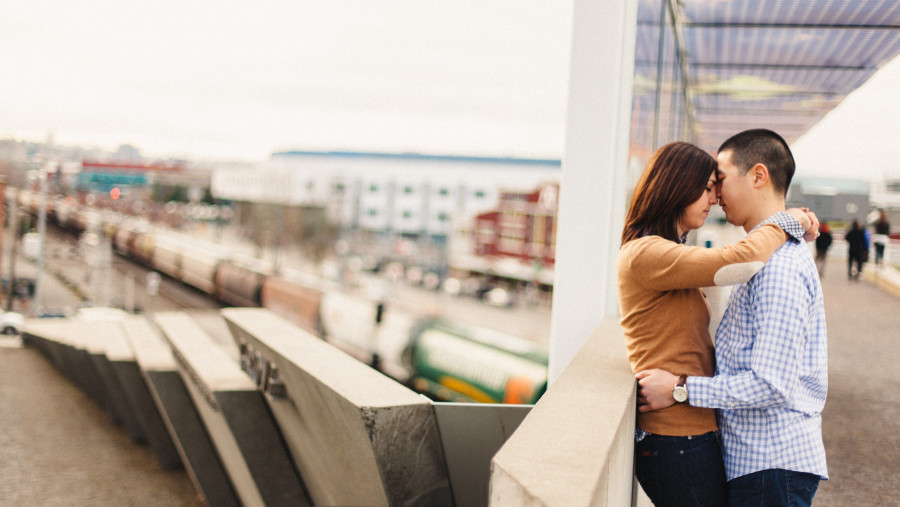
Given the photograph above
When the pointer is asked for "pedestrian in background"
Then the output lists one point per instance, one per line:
(857, 249)
(881, 239)
(823, 243)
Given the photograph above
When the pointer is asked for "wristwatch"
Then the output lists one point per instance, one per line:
(679, 392)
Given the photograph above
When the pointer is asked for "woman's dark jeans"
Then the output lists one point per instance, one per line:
(682, 471)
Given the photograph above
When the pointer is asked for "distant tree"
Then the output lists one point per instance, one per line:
(279, 226)
(316, 235)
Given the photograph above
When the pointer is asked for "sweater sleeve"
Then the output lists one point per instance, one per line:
(666, 265)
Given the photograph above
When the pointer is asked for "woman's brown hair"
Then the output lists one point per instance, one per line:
(675, 177)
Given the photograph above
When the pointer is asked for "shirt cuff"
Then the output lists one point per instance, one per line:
(699, 391)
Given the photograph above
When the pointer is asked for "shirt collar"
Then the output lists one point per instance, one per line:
(784, 220)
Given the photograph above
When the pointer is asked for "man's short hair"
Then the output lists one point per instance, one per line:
(762, 146)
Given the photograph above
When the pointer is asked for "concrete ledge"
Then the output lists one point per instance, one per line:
(121, 354)
(885, 278)
(80, 349)
(357, 436)
(116, 356)
(471, 433)
(246, 437)
(576, 446)
(180, 416)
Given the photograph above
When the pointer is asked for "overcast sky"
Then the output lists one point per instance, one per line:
(228, 79)
(245, 78)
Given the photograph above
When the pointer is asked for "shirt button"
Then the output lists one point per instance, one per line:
(681, 452)
(690, 437)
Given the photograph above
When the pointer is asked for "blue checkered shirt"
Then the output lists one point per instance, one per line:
(771, 366)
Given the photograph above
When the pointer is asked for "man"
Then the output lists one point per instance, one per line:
(771, 358)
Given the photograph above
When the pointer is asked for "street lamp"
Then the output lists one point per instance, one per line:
(42, 234)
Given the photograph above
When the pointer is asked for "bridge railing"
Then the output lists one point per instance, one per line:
(352, 435)
(576, 446)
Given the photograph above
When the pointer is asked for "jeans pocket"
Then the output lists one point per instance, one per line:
(646, 468)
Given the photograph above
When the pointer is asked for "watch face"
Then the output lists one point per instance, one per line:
(680, 394)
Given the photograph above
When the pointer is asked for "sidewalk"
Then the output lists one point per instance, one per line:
(862, 414)
(60, 448)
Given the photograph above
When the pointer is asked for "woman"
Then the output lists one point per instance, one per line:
(665, 315)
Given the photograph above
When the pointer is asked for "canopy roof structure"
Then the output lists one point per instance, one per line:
(779, 64)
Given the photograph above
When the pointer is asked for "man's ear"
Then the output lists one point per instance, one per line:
(760, 175)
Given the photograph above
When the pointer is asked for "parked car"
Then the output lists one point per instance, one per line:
(11, 323)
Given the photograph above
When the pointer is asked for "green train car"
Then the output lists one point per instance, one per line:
(457, 363)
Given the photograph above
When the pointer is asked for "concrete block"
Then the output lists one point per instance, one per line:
(576, 446)
(182, 419)
(123, 360)
(246, 437)
(357, 436)
(112, 348)
(82, 353)
(471, 433)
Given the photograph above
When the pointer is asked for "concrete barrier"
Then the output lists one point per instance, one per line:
(121, 353)
(112, 355)
(357, 436)
(177, 412)
(471, 433)
(235, 415)
(80, 350)
(886, 278)
(575, 448)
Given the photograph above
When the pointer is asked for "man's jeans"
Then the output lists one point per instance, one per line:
(773, 487)
(682, 471)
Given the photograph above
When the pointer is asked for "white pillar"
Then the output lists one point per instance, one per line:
(594, 171)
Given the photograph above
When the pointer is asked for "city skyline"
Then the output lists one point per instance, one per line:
(211, 81)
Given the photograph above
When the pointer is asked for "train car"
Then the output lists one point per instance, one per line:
(110, 228)
(142, 248)
(199, 263)
(453, 362)
(166, 256)
(297, 302)
(123, 242)
(368, 329)
(61, 212)
(29, 201)
(349, 321)
(238, 285)
(80, 219)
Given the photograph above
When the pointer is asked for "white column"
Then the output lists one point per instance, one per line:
(593, 182)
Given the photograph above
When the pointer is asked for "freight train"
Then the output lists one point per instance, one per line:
(445, 360)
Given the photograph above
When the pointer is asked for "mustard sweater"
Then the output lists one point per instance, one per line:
(665, 314)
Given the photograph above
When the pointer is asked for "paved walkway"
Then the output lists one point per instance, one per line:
(861, 421)
(58, 447)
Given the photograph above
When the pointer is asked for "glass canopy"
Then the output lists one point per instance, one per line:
(707, 69)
